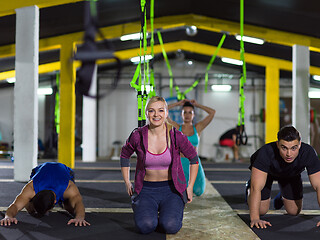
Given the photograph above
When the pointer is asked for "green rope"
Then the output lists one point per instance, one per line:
(93, 8)
(57, 105)
(180, 95)
(145, 43)
(145, 67)
(152, 83)
(143, 4)
(151, 26)
(140, 107)
(241, 103)
(244, 72)
(211, 62)
(167, 62)
(192, 87)
(148, 74)
(135, 77)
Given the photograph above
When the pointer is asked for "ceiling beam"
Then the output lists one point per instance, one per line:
(188, 46)
(8, 7)
(170, 22)
(217, 25)
(208, 50)
(269, 35)
(211, 24)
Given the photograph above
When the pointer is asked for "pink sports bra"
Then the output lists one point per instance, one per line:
(160, 161)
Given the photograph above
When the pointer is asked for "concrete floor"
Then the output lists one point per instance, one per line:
(220, 213)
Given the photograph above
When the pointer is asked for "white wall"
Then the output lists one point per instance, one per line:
(41, 117)
(117, 118)
(6, 115)
(118, 111)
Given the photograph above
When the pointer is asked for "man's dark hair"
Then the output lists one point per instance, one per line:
(188, 104)
(43, 201)
(289, 133)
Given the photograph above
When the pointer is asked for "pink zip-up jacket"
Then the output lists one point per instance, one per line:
(138, 142)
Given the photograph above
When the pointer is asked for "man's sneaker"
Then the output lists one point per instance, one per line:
(248, 185)
(278, 202)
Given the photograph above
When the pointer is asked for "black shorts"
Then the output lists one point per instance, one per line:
(291, 188)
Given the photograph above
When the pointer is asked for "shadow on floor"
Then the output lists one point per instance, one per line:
(299, 227)
(118, 226)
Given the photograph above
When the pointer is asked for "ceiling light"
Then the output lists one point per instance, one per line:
(250, 39)
(45, 91)
(231, 61)
(137, 59)
(314, 93)
(11, 80)
(191, 31)
(132, 36)
(221, 88)
(316, 77)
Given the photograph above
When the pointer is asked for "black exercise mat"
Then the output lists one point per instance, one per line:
(284, 226)
(119, 226)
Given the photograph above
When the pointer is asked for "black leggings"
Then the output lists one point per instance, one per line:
(291, 188)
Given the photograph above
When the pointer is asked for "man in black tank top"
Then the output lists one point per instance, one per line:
(283, 160)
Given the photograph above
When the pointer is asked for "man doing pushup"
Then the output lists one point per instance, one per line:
(50, 183)
(283, 160)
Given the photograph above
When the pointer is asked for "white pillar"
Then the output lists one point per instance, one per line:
(25, 92)
(89, 123)
(300, 98)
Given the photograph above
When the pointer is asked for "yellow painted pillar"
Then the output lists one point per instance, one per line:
(67, 105)
(272, 123)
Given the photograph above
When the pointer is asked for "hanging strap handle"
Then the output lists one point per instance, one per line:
(242, 137)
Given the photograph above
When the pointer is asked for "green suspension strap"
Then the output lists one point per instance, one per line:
(142, 96)
(183, 95)
(142, 42)
(168, 64)
(145, 63)
(57, 105)
(93, 7)
(180, 95)
(137, 75)
(211, 62)
(148, 65)
(152, 92)
(242, 137)
(190, 88)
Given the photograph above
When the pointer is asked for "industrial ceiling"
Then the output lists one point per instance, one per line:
(280, 23)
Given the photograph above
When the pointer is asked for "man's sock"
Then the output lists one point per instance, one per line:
(278, 202)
